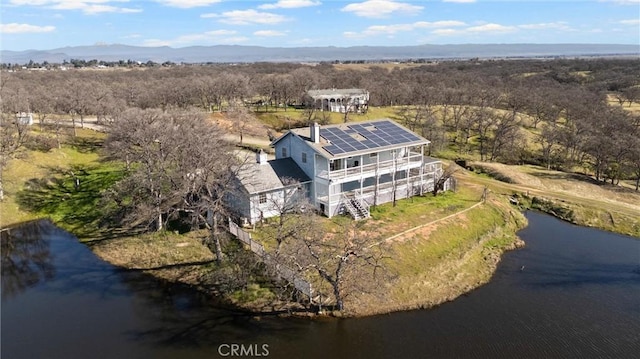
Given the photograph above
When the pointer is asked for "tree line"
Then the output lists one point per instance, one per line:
(561, 114)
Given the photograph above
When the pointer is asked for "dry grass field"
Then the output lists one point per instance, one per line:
(383, 65)
(613, 208)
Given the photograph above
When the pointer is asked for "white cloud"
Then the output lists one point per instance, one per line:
(246, 17)
(187, 4)
(474, 30)
(623, 2)
(490, 28)
(221, 32)
(630, 22)
(447, 32)
(269, 33)
(546, 26)
(87, 6)
(381, 8)
(396, 28)
(14, 28)
(209, 37)
(290, 4)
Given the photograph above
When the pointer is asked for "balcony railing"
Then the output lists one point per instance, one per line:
(384, 191)
(412, 161)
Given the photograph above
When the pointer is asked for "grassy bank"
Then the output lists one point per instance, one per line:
(575, 198)
(440, 262)
(435, 249)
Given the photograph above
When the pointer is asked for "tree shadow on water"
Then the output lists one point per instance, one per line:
(26, 258)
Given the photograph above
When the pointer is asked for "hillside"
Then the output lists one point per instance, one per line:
(246, 54)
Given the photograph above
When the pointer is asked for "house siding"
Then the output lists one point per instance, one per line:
(285, 142)
(361, 177)
(238, 201)
(270, 208)
(295, 147)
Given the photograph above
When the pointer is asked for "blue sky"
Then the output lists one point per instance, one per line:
(48, 24)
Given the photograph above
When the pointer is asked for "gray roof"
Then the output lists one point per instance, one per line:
(336, 92)
(274, 174)
(356, 138)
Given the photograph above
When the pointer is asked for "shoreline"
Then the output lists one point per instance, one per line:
(469, 245)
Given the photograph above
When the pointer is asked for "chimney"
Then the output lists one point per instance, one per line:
(315, 133)
(261, 157)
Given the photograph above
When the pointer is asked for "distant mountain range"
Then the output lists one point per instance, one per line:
(236, 53)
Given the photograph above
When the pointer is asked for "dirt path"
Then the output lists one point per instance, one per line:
(410, 230)
(559, 191)
(249, 140)
(92, 124)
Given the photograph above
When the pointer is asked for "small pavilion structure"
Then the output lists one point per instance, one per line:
(340, 100)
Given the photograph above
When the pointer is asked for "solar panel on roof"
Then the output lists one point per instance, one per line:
(359, 146)
(411, 137)
(378, 140)
(369, 144)
(374, 135)
(333, 150)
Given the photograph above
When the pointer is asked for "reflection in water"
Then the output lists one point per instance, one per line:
(26, 257)
(571, 292)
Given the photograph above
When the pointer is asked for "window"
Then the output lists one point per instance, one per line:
(373, 155)
(262, 198)
(335, 165)
(284, 152)
(304, 157)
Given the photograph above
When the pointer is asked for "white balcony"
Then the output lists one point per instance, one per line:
(371, 169)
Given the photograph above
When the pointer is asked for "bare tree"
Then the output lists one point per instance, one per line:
(147, 138)
(294, 216)
(13, 135)
(13, 132)
(634, 160)
(209, 173)
(441, 179)
(241, 118)
(506, 131)
(347, 260)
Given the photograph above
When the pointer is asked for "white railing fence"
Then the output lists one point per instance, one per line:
(282, 271)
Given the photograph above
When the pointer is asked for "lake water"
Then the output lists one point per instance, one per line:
(571, 292)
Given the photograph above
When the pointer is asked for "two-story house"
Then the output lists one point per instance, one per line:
(340, 100)
(353, 166)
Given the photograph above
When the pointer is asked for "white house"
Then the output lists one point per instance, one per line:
(24, 118)
(342, 168)
(265, 188)
(340, 100)
(356, 165)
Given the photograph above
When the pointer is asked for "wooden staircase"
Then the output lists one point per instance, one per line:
(356, 207)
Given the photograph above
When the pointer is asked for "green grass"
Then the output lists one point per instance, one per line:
(76, 209)
(414, 211)
(447, 240)
(38, 166)
(253, 292)
(283, 120)
(438, 263)
(43, 184)
(387, 220)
